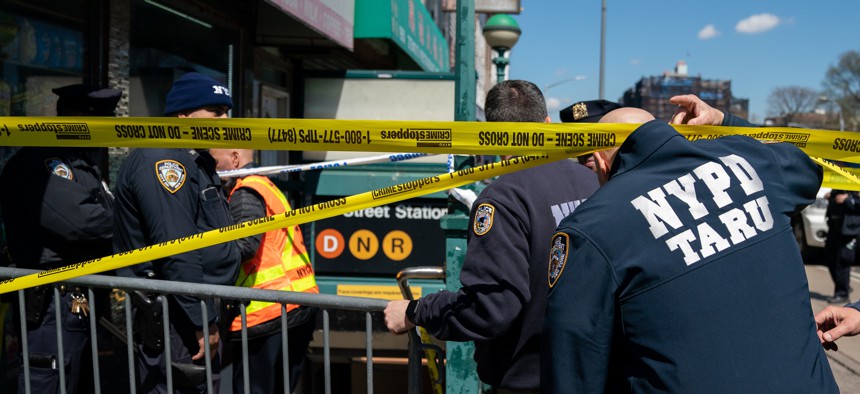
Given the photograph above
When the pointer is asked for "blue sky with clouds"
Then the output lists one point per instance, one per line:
(757, 44)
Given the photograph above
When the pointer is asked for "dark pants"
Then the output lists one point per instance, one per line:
(839, 258)
(44, 361)
(151, 369)
(496, 390)
(265, 358)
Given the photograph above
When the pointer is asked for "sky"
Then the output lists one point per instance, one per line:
(757, 44)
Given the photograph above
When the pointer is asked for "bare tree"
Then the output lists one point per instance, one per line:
(842, 84)
(789, 101)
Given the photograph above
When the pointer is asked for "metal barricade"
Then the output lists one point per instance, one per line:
(323, 301)
(419, 339)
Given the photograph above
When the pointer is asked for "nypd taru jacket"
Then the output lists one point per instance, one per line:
(56, 209)
(502, 301)
(682, 275)
(165, 194)
(280, 262)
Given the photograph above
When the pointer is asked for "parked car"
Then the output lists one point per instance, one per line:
(810, 227)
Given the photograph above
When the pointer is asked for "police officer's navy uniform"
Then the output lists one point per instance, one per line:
(502, 301)
(681, 274)
(839, 248)
(162, 195)
(57, 212)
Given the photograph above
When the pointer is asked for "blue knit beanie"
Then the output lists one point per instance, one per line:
(194, 91)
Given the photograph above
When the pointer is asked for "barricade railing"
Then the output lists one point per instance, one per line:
(161, 287)
(419, 339)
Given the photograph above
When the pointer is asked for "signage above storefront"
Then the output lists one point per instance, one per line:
(332, 18)
(409, 25)
(487, 6)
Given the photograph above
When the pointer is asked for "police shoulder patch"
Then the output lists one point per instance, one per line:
(557, 257)
(171, 174)
(483, 219)
(59, 168)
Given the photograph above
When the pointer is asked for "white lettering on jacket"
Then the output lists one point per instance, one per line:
(693, 236)
(563, 210)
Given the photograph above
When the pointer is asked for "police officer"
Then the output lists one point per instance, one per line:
(586, 112)
(835, 322)
(275, 260)
(164, 194)
(57, 211)
(589, 111)
(502, 301)
(843, 218)
(672, 276)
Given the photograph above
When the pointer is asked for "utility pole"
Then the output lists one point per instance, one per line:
(602, 45)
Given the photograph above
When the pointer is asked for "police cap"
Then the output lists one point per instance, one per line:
(86, 100)
(587, 111)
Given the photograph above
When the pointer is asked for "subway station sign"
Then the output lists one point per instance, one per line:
(381, 240)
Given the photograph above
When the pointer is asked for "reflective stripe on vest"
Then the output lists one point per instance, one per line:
(255, 306)
(281, 262)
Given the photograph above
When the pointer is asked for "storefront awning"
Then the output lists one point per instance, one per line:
(408, 24)
(331, 18)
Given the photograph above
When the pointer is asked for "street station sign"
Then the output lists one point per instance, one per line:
(381, 240)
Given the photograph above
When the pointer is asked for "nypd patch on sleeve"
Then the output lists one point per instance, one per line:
(59, 168)
(483, 219)
(171, 174)
(557, 257)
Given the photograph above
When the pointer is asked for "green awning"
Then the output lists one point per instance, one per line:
(408, 24)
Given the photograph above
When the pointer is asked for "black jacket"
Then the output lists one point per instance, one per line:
(501, 304)
(164, 194)
(56, 209)
(671, 277)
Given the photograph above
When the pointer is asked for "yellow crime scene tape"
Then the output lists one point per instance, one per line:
(553, 141)
(837, 177)
(483, 138)
(306, 214)
(432, 361)
(500, 138)
(391, 136)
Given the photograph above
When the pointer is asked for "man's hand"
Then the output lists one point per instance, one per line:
(395, 317)
(693, 111)
(213, 340)
(835, 322)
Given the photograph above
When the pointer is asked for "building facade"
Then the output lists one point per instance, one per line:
(652, 93)
(264, 51)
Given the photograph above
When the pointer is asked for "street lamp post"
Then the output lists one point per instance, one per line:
(501, 32)
(831, 103)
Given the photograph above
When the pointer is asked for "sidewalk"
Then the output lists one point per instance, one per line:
(845, 362)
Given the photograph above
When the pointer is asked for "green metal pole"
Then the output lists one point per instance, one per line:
(501, 63)
(464, 62)
(461, 374)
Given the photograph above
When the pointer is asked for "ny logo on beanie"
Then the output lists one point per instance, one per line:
(195, 90)
(220, 90)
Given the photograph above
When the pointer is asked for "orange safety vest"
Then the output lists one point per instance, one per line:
(281, 262)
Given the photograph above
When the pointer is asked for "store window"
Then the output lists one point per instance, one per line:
(43, 45)
(169, 39)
